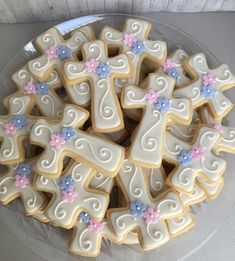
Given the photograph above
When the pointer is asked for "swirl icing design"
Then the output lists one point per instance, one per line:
(200, 159)
(99, 70)
(13, 128)
(208, 86)
(159, 107)
(17, 182)
(54, 51)
(135, 43)
(72, 195)
(143, 214)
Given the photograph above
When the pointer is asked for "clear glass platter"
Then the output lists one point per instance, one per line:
(50, 243)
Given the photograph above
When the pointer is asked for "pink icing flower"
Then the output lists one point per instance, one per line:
(151, 216)
(69, 196)
(30, 88)
(21, 182)
(197, 152)
(168, 64)
(218, 127)
(95, 226)
(129, 39)
(9, 128)
(56, 141)
(209, 79)
(151, 96)
(52, 52)
(91, 65)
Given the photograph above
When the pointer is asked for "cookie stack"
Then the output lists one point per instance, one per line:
(93, 114)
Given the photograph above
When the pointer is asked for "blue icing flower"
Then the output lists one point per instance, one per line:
(185, 158)
(19, 121)
(103, 70)
(24, 169)
(67, 133)
(208, 91)
(67, 184)
(84, 217)
(137, 47)
(172, 72)
(162, 104)
(64, 52)
(42, 88)
(138, 208)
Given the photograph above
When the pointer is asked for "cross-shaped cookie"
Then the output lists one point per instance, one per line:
(14, 128)
(55, 50)
(18, 182)
(42, 93)
(143, 214)
(71, 196)
(208, 86)
(159, 107)
(135, 43)
(227, 142)
(173, 66)
(157, 185)
(63, 139)
(193, 160)
(87, 233)
(100, 70)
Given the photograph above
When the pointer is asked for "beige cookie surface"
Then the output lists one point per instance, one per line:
(208, 86)
(159, 107)
(195, 159)
(100, 70)
(135, 43)
(43, 93)
(18, 182)
(142, 213)
(54, 51)
(65, 139)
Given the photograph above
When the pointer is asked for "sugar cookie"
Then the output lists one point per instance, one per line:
(55, 50)
(64, 139)
(212, 189)
(159, 107)
(227, 142)
(42, 93)
(18, 182)
(100, 70)
(208, 86)
(88, 233)
(182, 223)
(143, 214)
(135, 43)
(173, 67)
(71, 196)
(192, 160)
(14, 128)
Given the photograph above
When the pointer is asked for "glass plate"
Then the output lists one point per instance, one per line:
(50, 243)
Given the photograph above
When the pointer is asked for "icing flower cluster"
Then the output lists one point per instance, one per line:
(130, 40)
(94, 66)
(169, 67)
(187, 157)
(208, 88)
(67, 189)
(93, 225)
(62, 52)
(59, 139)
(21, 175)
(17, 122)
(139, 209)
(36, 88)
(161, 103)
